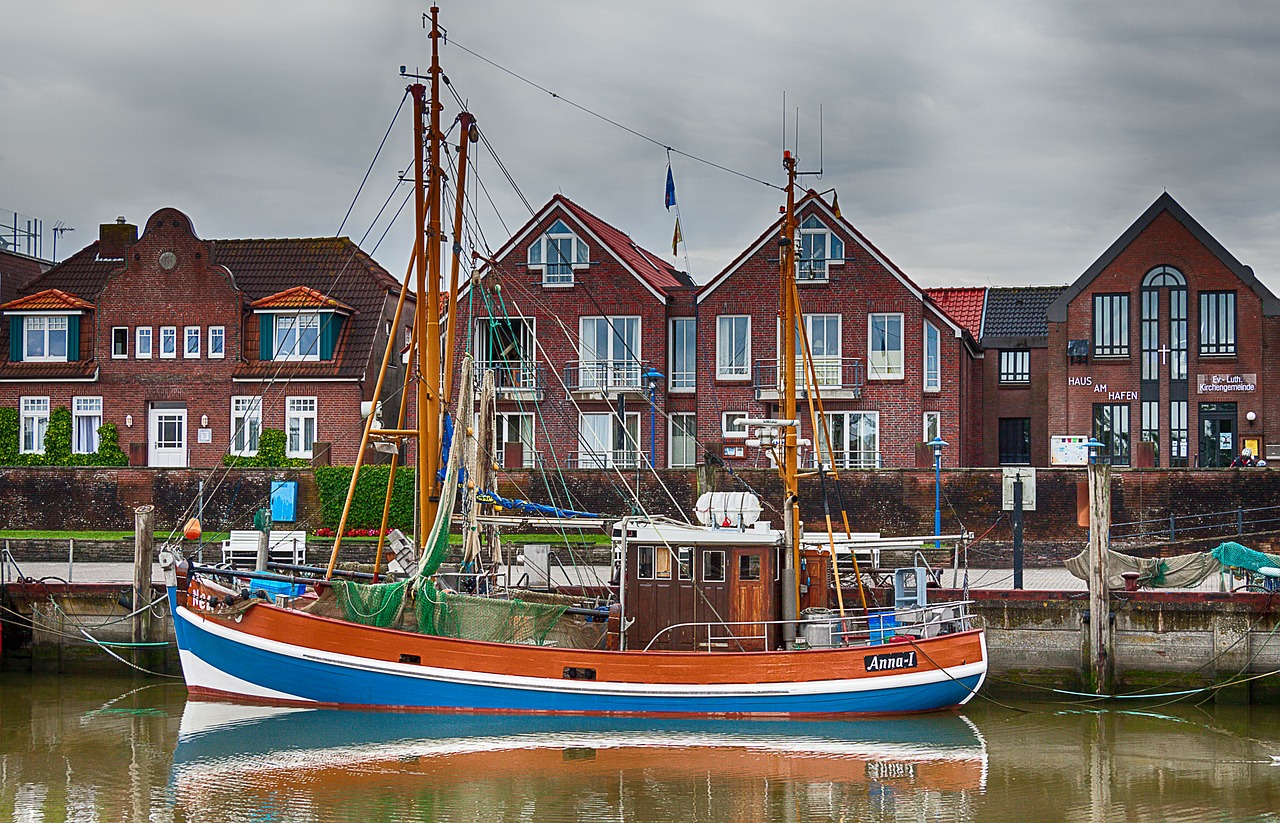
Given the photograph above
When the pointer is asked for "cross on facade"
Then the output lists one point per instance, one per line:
(1164, 354)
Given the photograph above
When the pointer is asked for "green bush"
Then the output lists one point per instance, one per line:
(370, 495)
(57, 443)
(271, 454)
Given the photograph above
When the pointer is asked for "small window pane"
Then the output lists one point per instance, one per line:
(713, 567)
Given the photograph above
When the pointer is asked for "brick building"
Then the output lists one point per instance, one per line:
(893, 369)
(16, 271)
(574, 320)
(1166, 339)
(191, 347)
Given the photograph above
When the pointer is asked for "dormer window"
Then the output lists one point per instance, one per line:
(288, 332)
(819, 249)
(557, 253)
(45, 338)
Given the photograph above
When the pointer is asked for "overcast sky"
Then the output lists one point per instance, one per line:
(973, 142)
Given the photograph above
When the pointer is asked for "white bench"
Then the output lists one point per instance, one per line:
(240, 549)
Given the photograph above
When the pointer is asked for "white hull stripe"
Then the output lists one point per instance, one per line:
(587, 687)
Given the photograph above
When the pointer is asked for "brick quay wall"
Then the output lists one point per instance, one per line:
(890, 501)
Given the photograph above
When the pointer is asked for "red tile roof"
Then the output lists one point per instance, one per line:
(655, 271)
(47, 300)
(963, 305)
(299, 297)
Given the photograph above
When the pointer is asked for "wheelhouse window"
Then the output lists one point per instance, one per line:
(168, 342)
(558, 252)
(1111, 325)
(191, 342)
(748, 567)
(300, 425)
(684, 563)
(932, 358)
(1015, 366)
(34, 424)
(246, 425)
(644, 564)
(684, 351)
(45, 338)
(120, 341)
(1218, 323)
(86, 413)
(684, 444)
(733, 347)
(819, 249)
(1111, 428)
(713, 566)
(297, 337)
(217, 342)
(884, 347)
(142, 343)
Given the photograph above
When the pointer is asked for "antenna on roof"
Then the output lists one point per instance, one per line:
(59, 229)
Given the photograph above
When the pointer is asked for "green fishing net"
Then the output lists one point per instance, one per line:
(379, 604)
(446, 614)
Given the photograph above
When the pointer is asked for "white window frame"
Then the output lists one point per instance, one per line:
(301, 410)
(218, 333)
(888, 364)
(683, 381)
(46, 324)
(171, 332)
(809, 234)
(846, 457)
(618, 367)
(729, 431)
(293, 324)
(540, 253)
(246, 407)
(141, 352)
(115, 331)
(34, 422)
(591, 458)
(527, 423)
(932, 371)
(190, 334)
(85, 408)
(727, 329)
(936, 426)
(691, 434)
(827, 364)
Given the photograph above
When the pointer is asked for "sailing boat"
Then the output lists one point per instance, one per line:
(706, 620)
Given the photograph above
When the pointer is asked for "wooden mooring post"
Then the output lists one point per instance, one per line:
(1099, 595)
(143, 549)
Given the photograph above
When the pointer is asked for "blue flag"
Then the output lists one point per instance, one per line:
(671, 189)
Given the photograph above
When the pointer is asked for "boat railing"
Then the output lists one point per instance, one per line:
(823, 628)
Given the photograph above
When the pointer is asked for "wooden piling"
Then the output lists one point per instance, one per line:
(143, 550)
(1099, 595)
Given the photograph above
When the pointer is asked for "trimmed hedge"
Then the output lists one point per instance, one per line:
(371, 493)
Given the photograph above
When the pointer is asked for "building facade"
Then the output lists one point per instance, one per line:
(192, 347)
(1165, 349)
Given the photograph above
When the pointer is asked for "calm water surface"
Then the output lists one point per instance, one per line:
(81, 749)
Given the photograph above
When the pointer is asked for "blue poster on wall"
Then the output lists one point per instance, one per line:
(284, 501)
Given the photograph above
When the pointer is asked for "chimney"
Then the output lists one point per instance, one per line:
(114, 239)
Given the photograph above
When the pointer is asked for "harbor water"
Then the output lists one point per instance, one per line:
(103, 749)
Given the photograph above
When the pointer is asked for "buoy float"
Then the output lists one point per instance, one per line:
(192, 530)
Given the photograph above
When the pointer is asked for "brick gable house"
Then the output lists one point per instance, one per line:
(573, 318)
(1168, 340)
(191, 347)
(893, 369)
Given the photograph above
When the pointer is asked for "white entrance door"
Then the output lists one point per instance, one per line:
(168, 439)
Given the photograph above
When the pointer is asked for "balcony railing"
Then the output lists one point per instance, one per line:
(844, 374)
(513, 377)
(616, 459)
(859, 459)
(607, 376)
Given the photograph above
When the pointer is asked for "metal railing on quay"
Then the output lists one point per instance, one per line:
(1239, 521)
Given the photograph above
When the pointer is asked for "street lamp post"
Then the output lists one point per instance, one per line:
(937, 443)
(653, 376)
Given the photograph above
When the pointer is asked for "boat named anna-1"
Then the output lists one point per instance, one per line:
(705, 620)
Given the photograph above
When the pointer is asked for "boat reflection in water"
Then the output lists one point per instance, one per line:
(316, 764)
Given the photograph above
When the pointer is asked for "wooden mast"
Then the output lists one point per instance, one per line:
(789, 467)
(427, 319)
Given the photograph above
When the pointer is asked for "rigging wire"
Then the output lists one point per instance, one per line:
(394, 117)
(614, 123)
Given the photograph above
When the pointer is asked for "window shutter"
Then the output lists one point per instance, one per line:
(266, 338)
(73, 338)
(330, 328)
(15, 339)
